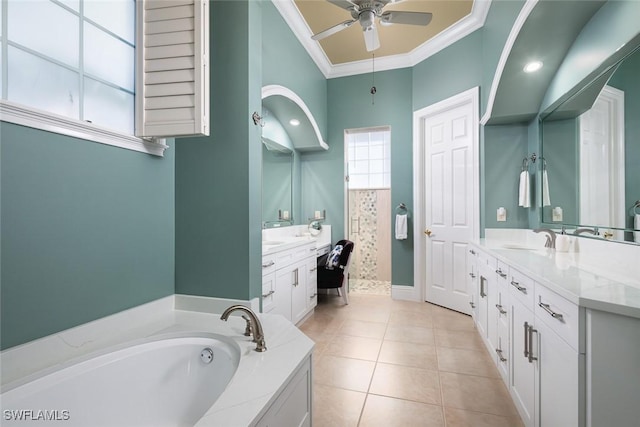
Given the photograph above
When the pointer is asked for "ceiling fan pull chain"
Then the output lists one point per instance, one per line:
(373, 78)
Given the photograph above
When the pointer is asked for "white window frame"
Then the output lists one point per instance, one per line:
(16, 113)
(368, 131)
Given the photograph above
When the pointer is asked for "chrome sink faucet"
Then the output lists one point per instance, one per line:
(253, 325)
(551, 237)
(593, 231)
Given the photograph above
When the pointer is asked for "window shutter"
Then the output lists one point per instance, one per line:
(172, 76)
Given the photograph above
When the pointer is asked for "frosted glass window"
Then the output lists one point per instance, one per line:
(116, 16)
(368, 155)
(108, 58)
(41, 84)
(46, 28)
(107, 106)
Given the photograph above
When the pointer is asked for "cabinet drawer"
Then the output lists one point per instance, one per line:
(286, 258)
(502, 275)
(558, 314)
(268, 264)
(521, 288)
(268, 292)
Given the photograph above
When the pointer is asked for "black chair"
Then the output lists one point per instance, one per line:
(336, 278)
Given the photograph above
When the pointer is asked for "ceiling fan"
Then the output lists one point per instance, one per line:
(365, 12)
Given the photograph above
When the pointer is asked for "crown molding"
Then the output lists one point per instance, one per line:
(457, 31)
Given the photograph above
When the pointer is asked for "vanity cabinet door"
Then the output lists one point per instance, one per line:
(524, 366)
(299, 291)
(503, 352)
(559, 390)
(282, 297)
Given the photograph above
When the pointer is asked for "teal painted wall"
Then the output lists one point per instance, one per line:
(560, 142)
(323, 172)
(286, 62)
(495, 32)
(452, 70)
(218, 178)
(504, 148)
(87, 231)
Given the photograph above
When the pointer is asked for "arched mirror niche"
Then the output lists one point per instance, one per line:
(288, 130)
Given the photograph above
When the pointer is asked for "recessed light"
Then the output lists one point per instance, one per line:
(294, 122)
(532, 66)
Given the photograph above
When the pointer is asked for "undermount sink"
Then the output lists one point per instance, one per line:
(517, 246)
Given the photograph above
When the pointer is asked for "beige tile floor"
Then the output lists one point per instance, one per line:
(380, 362)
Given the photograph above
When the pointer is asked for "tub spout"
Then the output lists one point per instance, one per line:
(253, 322)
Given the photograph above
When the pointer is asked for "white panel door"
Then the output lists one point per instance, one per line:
(448, 204)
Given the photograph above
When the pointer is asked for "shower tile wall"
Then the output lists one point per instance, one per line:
(369, 222)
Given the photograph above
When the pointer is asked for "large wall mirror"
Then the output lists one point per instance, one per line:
(591, 148)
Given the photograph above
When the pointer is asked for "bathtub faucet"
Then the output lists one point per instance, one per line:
(253, 322)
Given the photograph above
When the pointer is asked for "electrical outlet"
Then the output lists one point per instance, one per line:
(556, 214)
(501, 214)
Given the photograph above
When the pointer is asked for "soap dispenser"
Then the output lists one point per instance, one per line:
(563, 241)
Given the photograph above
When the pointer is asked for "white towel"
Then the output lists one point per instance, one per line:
(524, 195)
(546, 199)
(401, 227)
(636, 226)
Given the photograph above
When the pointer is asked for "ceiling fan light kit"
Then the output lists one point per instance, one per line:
(365, 12)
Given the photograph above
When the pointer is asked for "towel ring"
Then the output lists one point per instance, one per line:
(401, 208)
(635, 207)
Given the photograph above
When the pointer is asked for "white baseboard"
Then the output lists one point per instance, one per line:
(211, 304)
(405, 293)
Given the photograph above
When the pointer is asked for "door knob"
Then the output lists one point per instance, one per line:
(427, 232)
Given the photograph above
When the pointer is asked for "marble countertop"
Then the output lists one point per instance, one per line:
(256, 384)
(572, 275)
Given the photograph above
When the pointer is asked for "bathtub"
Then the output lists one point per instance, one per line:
(162, 381)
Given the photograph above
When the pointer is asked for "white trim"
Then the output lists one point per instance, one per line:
(466, 97)
(506, 51)
(277, 90)
(457, 31)
(211, 304)
(405, 293)
(37, 119)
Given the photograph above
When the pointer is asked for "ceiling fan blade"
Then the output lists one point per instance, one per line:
(344, 4)
(332, 30)
(411, 18)
(371, 39)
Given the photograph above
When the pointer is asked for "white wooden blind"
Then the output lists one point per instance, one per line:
(172, 77)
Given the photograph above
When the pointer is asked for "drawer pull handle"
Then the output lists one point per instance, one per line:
(472, 304)
(313, 269)
(312, 249)
(499, 307)
(269, 264)
(473, 276)
(526, 342)
(472, 252)
(271, 292)
(500, 273)
(518, 287)
(313, 296)
(531, 331)
(482, 291)
(553, 314)
(502, 358)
